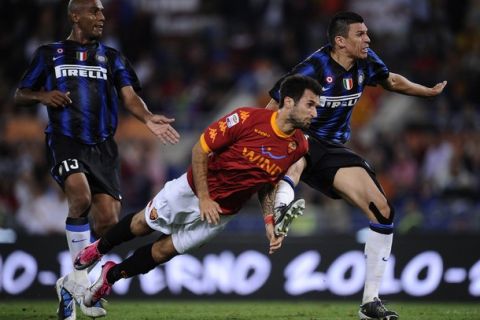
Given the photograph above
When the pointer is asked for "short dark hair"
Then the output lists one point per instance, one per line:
(294, 87)
(76, 5)
(340, 24)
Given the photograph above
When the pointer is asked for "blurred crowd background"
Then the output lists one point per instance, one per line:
(199, 59)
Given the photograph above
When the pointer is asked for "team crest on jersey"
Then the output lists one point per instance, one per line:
(100, 58)
(292, 146)
(348, 83)
(361, 77)
(81, 55)
(232, 120)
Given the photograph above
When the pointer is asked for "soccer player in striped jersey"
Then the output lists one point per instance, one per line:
(79, 80)
(343, 68)
(245, 152)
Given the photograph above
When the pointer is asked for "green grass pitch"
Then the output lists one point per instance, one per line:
(245, 310)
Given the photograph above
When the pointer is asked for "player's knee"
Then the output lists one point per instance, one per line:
(163, 250)
(104, 222)
(79, 205)
(138, 225)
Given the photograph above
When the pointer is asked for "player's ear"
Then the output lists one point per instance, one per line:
(74, 17)
(340, 41)
(288, 102)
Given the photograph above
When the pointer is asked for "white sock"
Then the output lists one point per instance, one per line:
(377, 252)
(285, 194)
(78, 237)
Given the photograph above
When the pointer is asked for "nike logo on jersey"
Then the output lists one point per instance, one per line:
(56, 58)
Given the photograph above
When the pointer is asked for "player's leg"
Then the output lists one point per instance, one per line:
(189, 234)
(104, 213)
(174, 212)
(104, 181)
(358, 187)
(71, 162)
(285, 192)
(141, 261)
(158, 213)
(78, 195)
(286, 208)
(66, 159)
(131, 226)
(77, 230)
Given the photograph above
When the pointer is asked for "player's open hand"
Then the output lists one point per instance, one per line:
(160, 126)
(55, 98)
(275, 241)
(438, 88)
(209, 210)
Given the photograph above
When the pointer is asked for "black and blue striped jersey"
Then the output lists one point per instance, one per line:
(94, 75)
(341, 89)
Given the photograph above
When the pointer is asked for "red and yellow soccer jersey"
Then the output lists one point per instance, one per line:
(248, 150)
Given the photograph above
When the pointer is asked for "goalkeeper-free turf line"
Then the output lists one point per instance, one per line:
(120, 309)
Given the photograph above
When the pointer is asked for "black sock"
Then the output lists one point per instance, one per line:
(141, 261)
(77, 221)
(117, 234)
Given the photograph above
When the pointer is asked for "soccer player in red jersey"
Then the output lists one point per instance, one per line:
(246, 152)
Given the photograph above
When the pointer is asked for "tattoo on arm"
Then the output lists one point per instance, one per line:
(266, 196)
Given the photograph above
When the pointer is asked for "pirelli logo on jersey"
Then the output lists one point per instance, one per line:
(73, 70)
(339, 101)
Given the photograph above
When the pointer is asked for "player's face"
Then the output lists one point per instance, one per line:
(91, 19)
(305, 110)
(357, 42)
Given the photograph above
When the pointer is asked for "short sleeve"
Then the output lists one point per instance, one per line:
(35, 76)
(225, 131)
(123, 73)
(376, 69)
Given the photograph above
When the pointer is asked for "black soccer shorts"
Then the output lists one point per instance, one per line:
(99, 162)
(323, 161)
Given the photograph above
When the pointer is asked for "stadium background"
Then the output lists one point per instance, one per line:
(196, 59)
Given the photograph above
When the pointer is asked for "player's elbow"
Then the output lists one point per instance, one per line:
(18, 97)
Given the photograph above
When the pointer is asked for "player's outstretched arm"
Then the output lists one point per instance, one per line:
(266, 196)
(398, 83)
(158, 124)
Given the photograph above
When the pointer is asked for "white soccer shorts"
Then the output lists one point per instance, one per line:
(175, 211)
